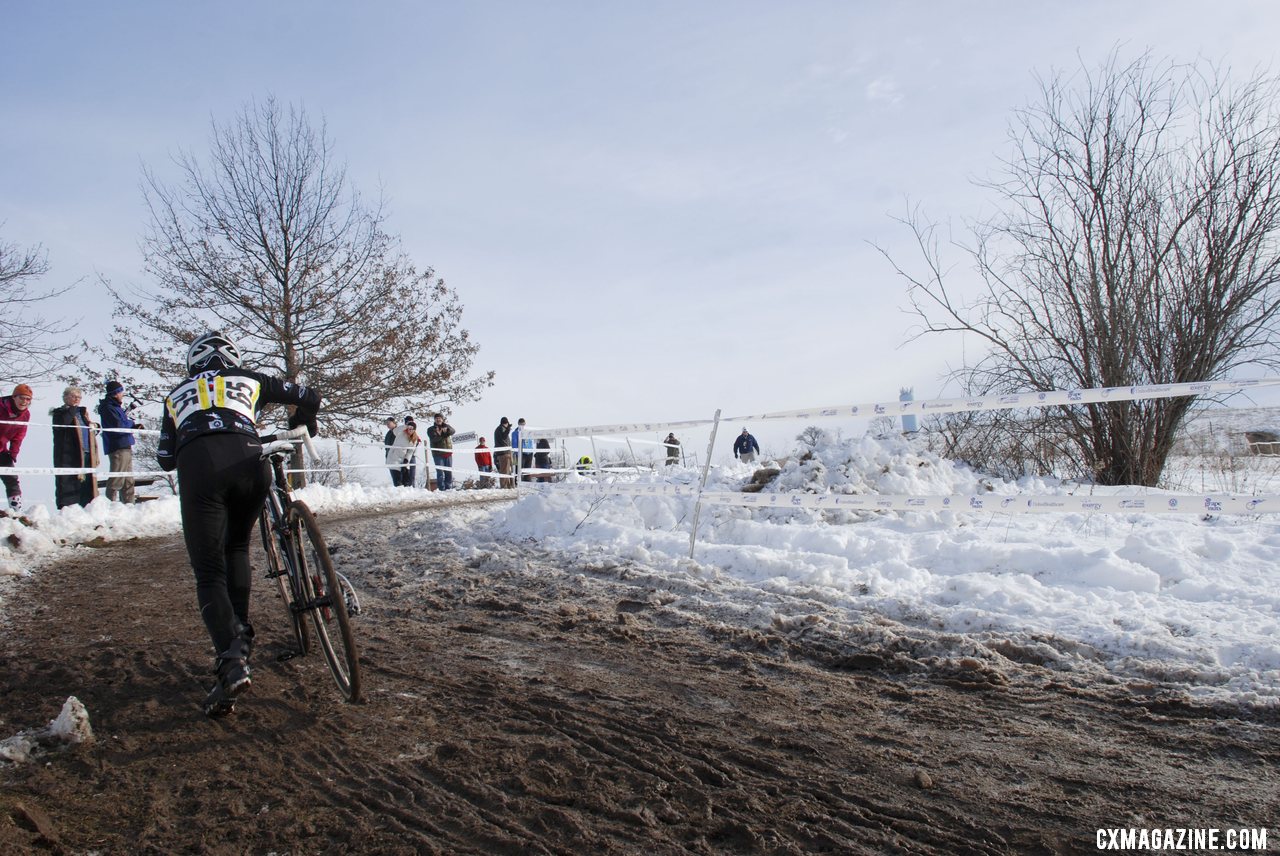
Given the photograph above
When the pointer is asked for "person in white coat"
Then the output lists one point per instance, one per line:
(403, 454)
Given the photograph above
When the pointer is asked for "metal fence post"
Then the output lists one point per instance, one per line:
(702, 483)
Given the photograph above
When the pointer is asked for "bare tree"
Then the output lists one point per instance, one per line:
(1135, 243)
(29, 343)
(268, 243)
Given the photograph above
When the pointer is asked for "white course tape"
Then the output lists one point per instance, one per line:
(97, 429)
(75, 471)
(1018, 504)
(1017, 400)
(621, 428)
(1010, 401)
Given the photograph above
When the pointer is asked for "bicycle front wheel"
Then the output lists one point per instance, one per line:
(326, 601)
(278, 562)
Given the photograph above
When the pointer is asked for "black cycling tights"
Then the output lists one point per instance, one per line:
(222, 484)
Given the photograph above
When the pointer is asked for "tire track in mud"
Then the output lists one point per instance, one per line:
(515, 707)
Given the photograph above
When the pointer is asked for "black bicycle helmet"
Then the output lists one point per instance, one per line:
(212, 350)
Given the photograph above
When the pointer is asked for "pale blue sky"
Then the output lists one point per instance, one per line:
(649, 210)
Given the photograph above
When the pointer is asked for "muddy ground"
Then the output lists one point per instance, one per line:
(515, 708)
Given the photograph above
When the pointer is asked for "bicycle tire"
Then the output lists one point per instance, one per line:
(328, 606)
(285, 581)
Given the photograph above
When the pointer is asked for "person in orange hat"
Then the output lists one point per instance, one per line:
(15, 413)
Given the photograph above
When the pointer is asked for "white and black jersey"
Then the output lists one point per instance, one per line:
(224, 401)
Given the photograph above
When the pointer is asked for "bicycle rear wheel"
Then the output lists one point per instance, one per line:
(326, 601)
(279, 570)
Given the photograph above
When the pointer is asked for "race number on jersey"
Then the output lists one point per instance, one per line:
(205, 392)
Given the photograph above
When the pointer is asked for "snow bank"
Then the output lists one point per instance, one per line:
(1171, 598)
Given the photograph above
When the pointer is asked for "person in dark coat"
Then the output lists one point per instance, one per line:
(502, 452)
(74, 446)
(745, 447)
(117, 442)
(673, 449)
(542, 459)
(440, 440)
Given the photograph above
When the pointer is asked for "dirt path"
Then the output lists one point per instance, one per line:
(525, 710)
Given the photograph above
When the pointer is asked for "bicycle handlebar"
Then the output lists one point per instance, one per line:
(282, 441)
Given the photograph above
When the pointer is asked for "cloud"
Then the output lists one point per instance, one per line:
(885, 89)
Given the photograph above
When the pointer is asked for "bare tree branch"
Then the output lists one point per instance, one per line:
(31, 345)
(1135, 243)
(266, 241)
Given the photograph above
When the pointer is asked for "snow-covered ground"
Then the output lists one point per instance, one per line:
(1179, 599)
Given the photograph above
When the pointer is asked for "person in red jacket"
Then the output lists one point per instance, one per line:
(484, 463)
(15, 412)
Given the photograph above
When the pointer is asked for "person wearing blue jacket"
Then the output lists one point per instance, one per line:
(745, 447)
(117, 444)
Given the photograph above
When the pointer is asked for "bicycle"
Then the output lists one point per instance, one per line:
(299, 561)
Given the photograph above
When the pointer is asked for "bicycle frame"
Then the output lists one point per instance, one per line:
(309, 584)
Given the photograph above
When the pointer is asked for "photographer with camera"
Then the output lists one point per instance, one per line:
(118, 444)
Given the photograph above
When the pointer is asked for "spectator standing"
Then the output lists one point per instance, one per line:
(15, 412)
(502, 451)
(404, 452)
(524, 444)
(440, 440)
(74, 446)
(118, 444)
(388, 441)
(484, 463)
(745, 447)
(542, 459)
(673, 449)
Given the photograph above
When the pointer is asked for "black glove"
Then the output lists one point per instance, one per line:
(308, 419)
(6, 459)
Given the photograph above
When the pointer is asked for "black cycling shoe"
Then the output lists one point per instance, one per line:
(233, 679)
(217, 703)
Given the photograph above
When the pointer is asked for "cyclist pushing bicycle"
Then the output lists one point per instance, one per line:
(209, 437)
